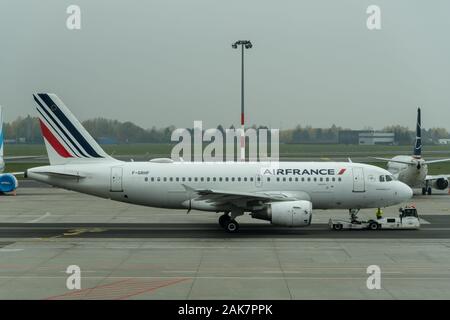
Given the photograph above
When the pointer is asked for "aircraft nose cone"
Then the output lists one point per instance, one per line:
(404, 191)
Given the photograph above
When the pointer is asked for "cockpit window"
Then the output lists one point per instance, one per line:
(381, 178)
(389, 178)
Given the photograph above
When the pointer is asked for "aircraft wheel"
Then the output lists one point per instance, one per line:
(231, 226)
(337, 227)
(429, 191)
(223, 219)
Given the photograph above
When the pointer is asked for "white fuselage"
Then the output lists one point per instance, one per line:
(413, 175)
(327, 185)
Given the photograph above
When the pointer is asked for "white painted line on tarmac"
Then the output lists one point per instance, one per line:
(10, 250)
(276, 272)
(349, 278)
(47, 214)
(169, 247)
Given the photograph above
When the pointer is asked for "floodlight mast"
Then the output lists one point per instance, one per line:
(245, 44)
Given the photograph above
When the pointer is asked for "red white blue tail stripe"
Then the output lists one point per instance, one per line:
(63, 132)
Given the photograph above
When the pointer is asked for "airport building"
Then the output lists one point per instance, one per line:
(444, 141)
(366, 137)
(375, 137)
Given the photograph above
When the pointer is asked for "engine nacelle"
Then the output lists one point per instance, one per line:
(286, 213)
(8, 182)
(440, 184)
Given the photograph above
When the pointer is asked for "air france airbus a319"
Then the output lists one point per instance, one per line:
(284, 194)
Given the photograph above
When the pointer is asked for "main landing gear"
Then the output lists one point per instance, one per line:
(426, 190)
(228, 222)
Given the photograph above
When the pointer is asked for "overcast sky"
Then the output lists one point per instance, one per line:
(163, 62)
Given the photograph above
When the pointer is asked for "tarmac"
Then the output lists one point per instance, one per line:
(132, 252)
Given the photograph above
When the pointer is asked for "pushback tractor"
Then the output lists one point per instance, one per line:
(408, 219)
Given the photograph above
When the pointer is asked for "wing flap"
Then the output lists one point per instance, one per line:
(223, 197)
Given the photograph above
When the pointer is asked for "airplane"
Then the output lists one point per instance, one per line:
(413, 170)
(8, 182)
(284, 194)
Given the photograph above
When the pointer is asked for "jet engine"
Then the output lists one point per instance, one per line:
(286, 213)
(8, 182)
(440, 184)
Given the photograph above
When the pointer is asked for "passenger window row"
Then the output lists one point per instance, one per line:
(239, 179)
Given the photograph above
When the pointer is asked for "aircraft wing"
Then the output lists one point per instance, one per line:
(437, 161)
(412, 163)
(16, 173)
(222, 197)
(391, 160)
(20, 157)
(439, 176)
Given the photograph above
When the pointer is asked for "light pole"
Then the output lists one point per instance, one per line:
(247, 45)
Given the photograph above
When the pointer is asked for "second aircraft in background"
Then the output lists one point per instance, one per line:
(413, 170)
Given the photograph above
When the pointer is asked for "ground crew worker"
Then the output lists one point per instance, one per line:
(379, 213)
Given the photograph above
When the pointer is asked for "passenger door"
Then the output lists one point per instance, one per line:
(358, 180)
(116, 179)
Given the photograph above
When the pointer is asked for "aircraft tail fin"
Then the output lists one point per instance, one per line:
(66, 140)
(418, 141)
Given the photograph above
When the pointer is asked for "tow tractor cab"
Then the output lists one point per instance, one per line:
(408, 211)
(408, 216)
(407, 219)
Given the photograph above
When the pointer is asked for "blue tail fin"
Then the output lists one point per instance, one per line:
(1, 132)
(418, 143)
